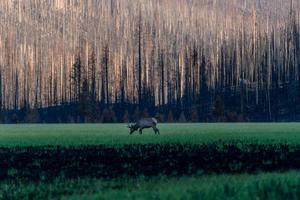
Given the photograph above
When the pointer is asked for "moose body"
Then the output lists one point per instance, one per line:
(144, 123)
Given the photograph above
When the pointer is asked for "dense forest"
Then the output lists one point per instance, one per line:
(178, 60)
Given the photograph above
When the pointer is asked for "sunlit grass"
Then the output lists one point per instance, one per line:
(261, 186)
(118, 134)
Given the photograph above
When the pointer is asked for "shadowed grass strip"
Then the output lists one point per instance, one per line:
(46, 163)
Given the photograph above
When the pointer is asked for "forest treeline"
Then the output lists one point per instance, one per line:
(178, 60)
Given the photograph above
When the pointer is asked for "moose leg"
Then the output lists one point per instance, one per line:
(154, 129)
(141, 131)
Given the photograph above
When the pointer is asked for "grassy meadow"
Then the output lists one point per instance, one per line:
(268, 186)
(118, 134)
(76, 161)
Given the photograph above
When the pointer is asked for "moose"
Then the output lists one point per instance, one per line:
(144, 123)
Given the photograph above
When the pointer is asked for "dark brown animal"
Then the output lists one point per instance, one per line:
(144, 123)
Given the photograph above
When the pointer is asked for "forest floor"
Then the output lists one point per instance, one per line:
(186, 161)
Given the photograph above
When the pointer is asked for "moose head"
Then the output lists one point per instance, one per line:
(132, 128)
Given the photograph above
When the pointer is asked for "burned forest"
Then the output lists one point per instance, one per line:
(177, 60)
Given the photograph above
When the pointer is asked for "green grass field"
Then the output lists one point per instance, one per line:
(261, 185)
(118, 134)
(268, 186)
